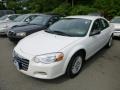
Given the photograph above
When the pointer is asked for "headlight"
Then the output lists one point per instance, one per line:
(49, 58)
(21, 34)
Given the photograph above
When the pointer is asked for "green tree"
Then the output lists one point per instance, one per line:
(110, 8)
(2, 6)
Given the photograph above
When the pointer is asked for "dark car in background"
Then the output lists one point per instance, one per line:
(5, 12)
(39, 23)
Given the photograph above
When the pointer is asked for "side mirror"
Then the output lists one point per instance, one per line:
(27, 20)
(50, 23)
(95, 32)
(7, 19)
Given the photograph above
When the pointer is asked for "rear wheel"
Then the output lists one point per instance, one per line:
(74, 66)
(109, 44)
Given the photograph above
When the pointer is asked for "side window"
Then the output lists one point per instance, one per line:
(30, 18)
(53, 20)
(96, 28)
(96, 25)
(105, 23)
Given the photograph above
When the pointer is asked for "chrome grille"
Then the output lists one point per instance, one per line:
(23, 63)
(117, 30)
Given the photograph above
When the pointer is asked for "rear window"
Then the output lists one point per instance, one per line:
(12, 17)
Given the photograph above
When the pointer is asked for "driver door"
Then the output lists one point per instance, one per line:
(95, 39)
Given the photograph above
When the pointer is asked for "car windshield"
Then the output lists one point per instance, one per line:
(70, 27)
(20, 18)
(40, 20)
(3, 17)
(115, 20)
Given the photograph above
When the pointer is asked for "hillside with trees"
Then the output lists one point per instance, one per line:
(109, 8)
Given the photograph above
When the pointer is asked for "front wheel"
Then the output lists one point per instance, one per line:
(74, 66)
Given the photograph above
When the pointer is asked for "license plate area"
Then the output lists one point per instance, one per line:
(16, 63)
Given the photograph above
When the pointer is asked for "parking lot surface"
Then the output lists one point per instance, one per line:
(101, 72)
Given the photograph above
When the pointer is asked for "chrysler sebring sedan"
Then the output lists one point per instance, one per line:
(63, 47)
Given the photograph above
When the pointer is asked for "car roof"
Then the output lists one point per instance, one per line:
(11, 14)
(85, 17)
(32, 14)
(117, 17)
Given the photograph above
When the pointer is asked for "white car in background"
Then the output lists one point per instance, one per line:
(20, 20)
(8, 18)
(63, 47)
(116, 23)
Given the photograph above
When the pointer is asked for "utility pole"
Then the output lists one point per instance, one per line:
(72, 2)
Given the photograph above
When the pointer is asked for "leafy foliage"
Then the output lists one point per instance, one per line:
(63, 9)
(109, 8)
(82, 10)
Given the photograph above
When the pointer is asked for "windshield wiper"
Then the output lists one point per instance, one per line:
(33, 24)
(57, 32)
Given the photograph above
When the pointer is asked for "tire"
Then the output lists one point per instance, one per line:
(11, 39)
(75, 65)
(109, 44)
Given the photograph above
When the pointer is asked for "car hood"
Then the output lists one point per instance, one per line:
(25, 28)
(3, 25)
(11, 24)
(116, 25)
(3, 21)
(43, 42)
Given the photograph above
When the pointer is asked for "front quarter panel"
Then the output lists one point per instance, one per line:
(71, 49)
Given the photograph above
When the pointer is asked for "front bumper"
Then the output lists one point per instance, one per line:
(43, 71)
(117, 33)
(13, 36)
(3, 31)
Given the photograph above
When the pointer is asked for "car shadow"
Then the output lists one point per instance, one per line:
(116, 38)
(95, 57)
(3, 36)
(64, 78)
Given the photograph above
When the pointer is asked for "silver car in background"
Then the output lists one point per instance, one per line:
(116, 23)
(21, 20)
(8, 18)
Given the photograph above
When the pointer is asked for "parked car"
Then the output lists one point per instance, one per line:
(96, 14)
(8, 18)
(5, 12)
(21, 20)
(116, 22)
(63, 47)
(39, 23)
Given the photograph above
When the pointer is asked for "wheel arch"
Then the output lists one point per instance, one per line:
(81, 51)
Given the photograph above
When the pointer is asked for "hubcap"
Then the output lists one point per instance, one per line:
(77, 65)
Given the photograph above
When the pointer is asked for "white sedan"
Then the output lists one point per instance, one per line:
(116, 23)
(63, 47)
